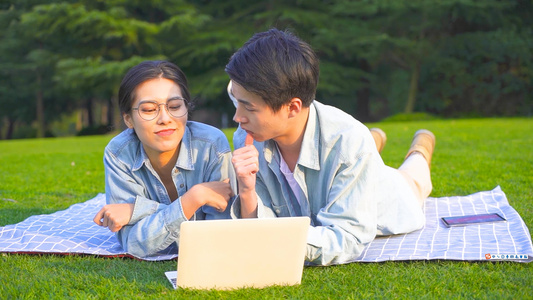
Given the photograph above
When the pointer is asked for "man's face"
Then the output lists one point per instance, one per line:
(256, 117)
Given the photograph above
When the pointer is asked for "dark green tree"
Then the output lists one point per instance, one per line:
(380, 57)
(484, 66)
(99, 37)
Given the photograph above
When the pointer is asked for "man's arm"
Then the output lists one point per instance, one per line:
(348, 222)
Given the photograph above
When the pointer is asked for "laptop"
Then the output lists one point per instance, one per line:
(232, 254)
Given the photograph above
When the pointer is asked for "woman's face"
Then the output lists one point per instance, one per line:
(162, 135)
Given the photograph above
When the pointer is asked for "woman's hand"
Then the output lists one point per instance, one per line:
(114, 216)
(215, 194)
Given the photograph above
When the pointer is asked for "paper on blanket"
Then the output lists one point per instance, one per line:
(72, 231)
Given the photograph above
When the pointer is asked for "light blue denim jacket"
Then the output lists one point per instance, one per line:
(351, 195)
(204, 156)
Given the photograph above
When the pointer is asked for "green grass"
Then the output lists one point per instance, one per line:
(46, 175)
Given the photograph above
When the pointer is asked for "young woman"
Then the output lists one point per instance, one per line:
(163, 170)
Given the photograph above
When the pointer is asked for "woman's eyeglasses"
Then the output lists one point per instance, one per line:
(149, 110)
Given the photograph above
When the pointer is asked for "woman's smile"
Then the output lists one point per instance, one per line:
(165, 132)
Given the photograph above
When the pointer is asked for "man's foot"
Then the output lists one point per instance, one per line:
(423, 143)
(379, 137)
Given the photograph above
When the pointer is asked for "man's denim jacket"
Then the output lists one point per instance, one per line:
(351, 195)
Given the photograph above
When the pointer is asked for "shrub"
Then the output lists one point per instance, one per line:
(95, 130)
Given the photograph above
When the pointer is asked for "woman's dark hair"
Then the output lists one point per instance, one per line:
(150, 70)
(277, 66)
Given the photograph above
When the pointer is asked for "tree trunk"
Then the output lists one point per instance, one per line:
(110, 113)
(90, 112)
(413, 89)
(40, 107)
(363, 103)
(10, 128)
(362, 112)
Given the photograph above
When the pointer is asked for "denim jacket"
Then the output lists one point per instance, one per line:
(204, 156)
(352, 196)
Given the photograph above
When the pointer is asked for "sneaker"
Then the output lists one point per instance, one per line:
(423, 143)
(380, 138)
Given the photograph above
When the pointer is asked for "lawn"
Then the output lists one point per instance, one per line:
(42, 176)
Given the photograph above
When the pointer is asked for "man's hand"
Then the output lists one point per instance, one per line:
(245, 161)
(246, 164)
(114, 216)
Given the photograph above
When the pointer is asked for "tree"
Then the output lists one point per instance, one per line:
(25, 64)
(380, 57)
(112, 36)
(85, 47)
(226, 26)
(485, 66)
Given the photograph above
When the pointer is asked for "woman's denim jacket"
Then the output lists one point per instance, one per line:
(204, 156)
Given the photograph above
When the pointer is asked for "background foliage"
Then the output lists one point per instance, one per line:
(450, 58)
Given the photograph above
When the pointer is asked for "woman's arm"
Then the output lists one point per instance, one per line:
(145, 226)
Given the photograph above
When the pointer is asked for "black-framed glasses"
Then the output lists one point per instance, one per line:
(149, 109)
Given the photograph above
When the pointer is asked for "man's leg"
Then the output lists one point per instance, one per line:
(415, 167)
(380, 138)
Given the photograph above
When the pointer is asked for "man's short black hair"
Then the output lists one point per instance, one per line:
(277, 66)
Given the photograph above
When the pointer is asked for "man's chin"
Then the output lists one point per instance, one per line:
(258, 139)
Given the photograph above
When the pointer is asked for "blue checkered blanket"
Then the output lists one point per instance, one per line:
(72, 231)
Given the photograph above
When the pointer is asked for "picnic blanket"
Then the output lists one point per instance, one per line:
(72, 231)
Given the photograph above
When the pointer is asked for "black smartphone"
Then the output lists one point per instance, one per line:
(472, 219)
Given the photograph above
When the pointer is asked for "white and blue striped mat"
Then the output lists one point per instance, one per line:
(72, 231)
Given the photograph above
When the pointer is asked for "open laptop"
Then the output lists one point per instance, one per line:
(231, 254)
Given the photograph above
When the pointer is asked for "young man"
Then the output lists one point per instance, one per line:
(315, 160)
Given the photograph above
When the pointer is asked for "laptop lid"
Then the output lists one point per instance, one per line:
(230, 254)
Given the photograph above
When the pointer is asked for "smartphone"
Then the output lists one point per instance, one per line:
(472, 219)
